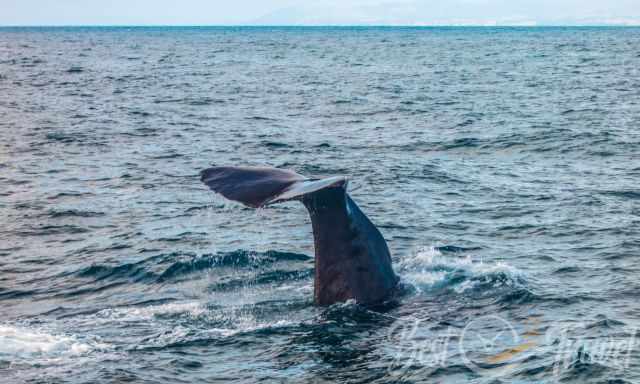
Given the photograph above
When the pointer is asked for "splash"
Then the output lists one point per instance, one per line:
(23, 343)
(429, 269)
(223, 322)
(137, 314)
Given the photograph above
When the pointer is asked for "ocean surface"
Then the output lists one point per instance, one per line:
(500, 164)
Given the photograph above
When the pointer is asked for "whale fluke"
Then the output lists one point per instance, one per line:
(252, 186)
(352, 259)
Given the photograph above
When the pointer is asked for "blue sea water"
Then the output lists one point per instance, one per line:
(501, 165)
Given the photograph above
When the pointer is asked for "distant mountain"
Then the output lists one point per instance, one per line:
(455, 12)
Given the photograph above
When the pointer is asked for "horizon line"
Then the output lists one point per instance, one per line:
(541, 25)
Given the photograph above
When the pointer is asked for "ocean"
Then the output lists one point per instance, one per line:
(500, 164)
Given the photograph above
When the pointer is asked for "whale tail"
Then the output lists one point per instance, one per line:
(260, 186)
(352, 258)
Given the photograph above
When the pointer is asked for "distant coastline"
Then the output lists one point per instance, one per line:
(328, 26)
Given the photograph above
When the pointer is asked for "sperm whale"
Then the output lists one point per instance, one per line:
(352, 259)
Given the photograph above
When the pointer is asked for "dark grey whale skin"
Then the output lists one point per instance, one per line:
(352, 259)
(252, 186)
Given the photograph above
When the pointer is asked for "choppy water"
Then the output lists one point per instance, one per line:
(501, 165)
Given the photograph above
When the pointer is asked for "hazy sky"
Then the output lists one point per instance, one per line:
(427, 12)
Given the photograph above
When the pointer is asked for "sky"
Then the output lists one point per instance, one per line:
(328, 12)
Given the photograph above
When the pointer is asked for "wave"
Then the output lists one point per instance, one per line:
(138, 314)
(182, 337)
(18, 343)
(171, 266)
(132, 271)
(238, 258)
(65, 137)
(190, 101)
(429, 269)
(48, 230)
(623, 194)
(196, 323)
(264, 278)
(53, 213)
(275, 144)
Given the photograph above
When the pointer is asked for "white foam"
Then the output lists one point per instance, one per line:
(18, 343)
(240, 318)
(428, 268)
(136, 314)
(232, 321)
(249, 324)
(235, 319)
